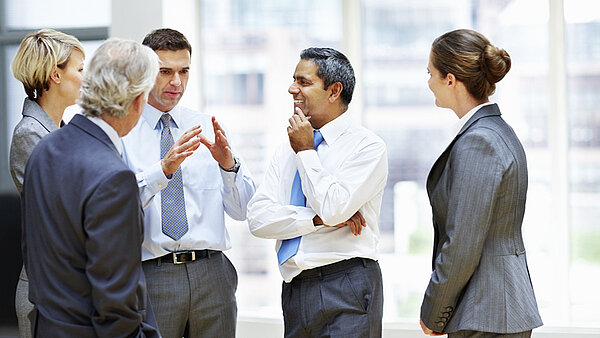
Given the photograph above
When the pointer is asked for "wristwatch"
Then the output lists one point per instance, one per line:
(236, 166)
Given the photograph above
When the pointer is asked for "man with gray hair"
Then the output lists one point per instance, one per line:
(82, 218)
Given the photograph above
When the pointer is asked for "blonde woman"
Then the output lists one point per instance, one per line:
(50, 66)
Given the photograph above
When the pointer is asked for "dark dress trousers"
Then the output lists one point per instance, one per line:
(82, 234)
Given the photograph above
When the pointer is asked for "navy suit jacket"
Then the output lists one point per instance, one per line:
(82, 236)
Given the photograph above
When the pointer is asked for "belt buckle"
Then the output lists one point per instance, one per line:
(176, 261)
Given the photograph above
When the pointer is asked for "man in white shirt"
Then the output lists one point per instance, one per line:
(191, 282)
(327, 239)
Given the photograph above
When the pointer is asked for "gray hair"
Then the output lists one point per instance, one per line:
(119, 71)
(333, 66)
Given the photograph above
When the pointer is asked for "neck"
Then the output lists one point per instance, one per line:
(53, 106)
(335, 115)
(115, 123)
(465, 104)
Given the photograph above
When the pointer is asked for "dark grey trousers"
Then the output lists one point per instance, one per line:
(343, 299)
(195, 299)
(477, 334)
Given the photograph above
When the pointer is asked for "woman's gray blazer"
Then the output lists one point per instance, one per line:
(34, 125)
(477, 190)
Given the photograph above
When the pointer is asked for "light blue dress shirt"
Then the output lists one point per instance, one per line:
(209, 191)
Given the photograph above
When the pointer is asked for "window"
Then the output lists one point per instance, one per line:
(582, 40)
(249, 52)
(88, 22)
(243, 39)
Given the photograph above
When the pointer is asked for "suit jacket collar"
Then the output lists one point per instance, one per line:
(34, 110)
(438, 166)
(93, 130)
(485, 111)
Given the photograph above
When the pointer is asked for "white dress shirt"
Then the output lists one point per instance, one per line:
(209, 191)
(347, 173)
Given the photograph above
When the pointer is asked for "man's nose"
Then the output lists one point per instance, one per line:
(176, 80)
(293, 88)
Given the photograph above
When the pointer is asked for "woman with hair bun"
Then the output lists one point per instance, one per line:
(480, 284)
(49, 64)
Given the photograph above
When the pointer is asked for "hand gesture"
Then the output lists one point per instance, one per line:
(300, 132)
(219, 149)
(184, 147)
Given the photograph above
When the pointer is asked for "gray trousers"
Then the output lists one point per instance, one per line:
(195, 299)
(477, 334)
(343, 299)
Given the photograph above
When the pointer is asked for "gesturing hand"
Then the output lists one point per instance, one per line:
(184, 147)
(300, 132)
(219, 149)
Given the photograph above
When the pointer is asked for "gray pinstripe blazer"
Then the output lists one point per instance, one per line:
(34, 125)
(477, 190)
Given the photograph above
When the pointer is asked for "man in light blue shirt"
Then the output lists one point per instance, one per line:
(191, 283)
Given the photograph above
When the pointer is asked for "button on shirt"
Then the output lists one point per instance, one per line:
(348, 172)
(209, 191)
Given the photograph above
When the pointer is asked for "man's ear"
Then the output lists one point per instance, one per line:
(139, 103)
(336, 90)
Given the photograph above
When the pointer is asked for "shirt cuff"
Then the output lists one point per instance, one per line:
(229, 177)
(307, 159)
(154, 178)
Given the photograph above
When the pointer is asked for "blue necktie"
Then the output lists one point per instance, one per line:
(289, 247)
(174, 218)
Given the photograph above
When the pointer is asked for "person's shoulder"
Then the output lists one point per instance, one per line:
(187, 113)
(365, 135)
(28, 125)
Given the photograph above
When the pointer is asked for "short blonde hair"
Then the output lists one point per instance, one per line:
(39, 53)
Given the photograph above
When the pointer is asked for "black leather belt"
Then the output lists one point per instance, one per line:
(184, 256)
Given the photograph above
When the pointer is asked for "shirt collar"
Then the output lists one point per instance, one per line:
(109, 130)
(152, 116)
(333, 129)
(463, 120)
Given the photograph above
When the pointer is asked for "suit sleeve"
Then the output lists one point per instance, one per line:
(22, 145)
(113, 225)
(475, 173)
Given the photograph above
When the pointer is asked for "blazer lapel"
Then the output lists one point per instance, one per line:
(34, 110)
